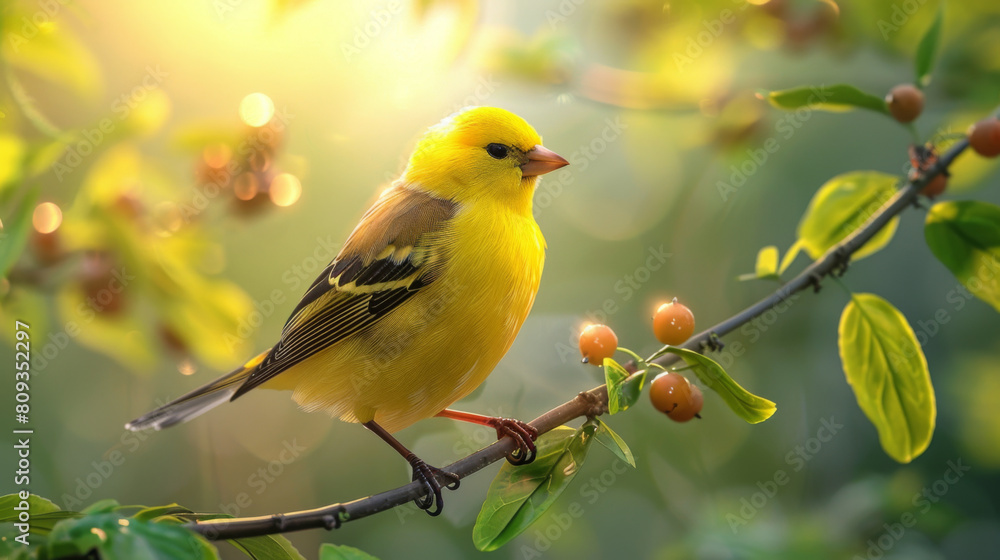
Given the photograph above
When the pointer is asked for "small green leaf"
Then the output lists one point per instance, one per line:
(789, 257)
(927, 49)
(520, 495)
(614, 442)
(767, 265)
(965, 237)
(36, 506)
(837, 98)
(14, 234)
(622, 391)
(101, 506)
(843, 205)
(343, 552)
(888, 372)
(745, 404)
(270, 547)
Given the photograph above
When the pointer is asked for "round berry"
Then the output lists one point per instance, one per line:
(906, 102)
(936, 186)
(673, 323)
(675, 396)
(984, 137)
(596, 343)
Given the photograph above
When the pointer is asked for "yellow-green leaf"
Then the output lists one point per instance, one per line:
(745, 404)
(843, 205)
(51, 51)
(766, 266)
(965, 237)
(837, 98)
(520, 495)
(622, 391)
(613, 442)
(14, 232)
(343, 552)
(927, 49)
(885, 367)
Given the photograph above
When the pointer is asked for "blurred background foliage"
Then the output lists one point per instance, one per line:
(173, 175)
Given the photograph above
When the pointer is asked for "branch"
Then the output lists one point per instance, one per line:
(589, 403)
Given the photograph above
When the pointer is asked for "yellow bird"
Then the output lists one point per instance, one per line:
(423, 300)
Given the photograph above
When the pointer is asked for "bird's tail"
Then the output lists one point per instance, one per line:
(196, 402)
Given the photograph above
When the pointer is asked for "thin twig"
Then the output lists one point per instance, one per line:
(332, 516)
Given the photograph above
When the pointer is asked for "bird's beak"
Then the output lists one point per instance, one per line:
(542, 160)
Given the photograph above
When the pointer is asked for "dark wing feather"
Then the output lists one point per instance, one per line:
(388, 258)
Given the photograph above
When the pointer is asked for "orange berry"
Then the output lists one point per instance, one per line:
(906, 102)
(984, 137)
(673, 323)
(596, 343)
(675, 396)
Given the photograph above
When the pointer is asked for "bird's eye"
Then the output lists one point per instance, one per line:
(498, 151)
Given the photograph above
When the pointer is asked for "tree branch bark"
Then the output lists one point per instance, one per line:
(589, 403)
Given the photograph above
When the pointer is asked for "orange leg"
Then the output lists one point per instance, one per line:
(522, 433)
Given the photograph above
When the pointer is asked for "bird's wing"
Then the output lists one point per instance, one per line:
(392, 254)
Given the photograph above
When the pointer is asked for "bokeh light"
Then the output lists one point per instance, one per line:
(256, 109)
(47, 217)
(285, 189)
(246, 186)
(217, 155)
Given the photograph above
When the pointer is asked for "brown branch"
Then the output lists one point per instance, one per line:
(588, 403)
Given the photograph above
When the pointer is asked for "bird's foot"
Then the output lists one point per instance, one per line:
(524, 436)
(432, 502)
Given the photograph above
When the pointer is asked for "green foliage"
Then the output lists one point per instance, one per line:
(623, 390)
(927, 49)
(343, 552)
(965, 237)
(886, 368)
(614, 442)
(14, 234)
(123, 532)
(520, 495)
(745, 404)
(837, 98)
(766, 266)
(841, 206)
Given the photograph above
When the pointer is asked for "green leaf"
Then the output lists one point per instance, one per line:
(767, 265)
(343, 552)
(888, 373)
(14, 234)
(268, 547)
(746, 405)
(119, 538)
(622, 391)
(965, 237)
(843, 205)
(837, 98)
(927, 49)
(101, 506)
(53, 52)
(520, 495)
(37, 505)
(614, 442)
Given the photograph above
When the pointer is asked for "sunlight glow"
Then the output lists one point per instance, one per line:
(256, 109)
(285, 189)
(47, 217)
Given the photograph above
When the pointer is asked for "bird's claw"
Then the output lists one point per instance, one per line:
(713, 342)
(432, 502)
(524, 436)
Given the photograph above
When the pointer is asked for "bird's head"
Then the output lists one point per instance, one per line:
(481, 153)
